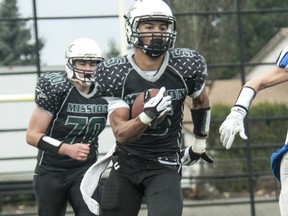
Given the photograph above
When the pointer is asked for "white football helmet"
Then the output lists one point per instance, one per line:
(86, 50)
(155, 10)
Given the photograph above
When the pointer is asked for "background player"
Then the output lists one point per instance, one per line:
(234, 121)
(65, 126)
(147, 160)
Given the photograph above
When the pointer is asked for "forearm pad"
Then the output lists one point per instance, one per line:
(201, 121)
(49, 144)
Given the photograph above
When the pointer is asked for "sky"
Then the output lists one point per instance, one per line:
(58, 34)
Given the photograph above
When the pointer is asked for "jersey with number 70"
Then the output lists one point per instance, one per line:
(76, 118)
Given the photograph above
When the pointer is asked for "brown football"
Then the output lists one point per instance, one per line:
(138, 105)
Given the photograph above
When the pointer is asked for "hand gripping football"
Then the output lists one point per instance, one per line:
(138, 105)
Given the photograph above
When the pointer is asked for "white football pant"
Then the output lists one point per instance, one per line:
(283, 198)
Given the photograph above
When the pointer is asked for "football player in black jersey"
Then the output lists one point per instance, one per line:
(147, 161)
(64, 126)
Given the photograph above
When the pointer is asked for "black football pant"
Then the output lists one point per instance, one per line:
(54, 189)
(132, 179)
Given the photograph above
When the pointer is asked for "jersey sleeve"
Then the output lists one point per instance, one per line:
(194, 70)
(110, 75)
(46, 94)
(282, 60)
(201, 75)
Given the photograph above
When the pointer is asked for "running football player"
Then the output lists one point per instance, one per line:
(147, 161)
(64, 126)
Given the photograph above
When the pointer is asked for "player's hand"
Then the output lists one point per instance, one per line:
(155, 107)
(233, 125)
(188, 157)
(192, 154)
(77, 151)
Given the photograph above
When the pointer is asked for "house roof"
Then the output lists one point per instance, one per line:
(268, 54)
(226, 91)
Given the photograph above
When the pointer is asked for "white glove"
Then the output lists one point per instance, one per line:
(155, 107)
(233, 125)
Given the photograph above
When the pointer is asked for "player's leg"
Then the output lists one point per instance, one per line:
(283, 198)
(163, 194)
(119, 196)
(73, 179)
(50, 196)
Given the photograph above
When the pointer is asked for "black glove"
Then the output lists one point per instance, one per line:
(188, 157)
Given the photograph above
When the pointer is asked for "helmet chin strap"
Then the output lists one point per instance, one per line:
(81, 82)
(155, 49)
(85, 81)
(153, 53)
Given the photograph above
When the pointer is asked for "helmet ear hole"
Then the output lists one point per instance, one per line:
(83, 49)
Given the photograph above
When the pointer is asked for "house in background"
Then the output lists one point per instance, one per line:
(226, 91)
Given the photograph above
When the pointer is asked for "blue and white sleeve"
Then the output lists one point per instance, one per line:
(282, 60)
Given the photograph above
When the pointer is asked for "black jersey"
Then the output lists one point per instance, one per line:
(183, 73)
(77, 118)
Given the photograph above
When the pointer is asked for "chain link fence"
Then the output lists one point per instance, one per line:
(219, 189)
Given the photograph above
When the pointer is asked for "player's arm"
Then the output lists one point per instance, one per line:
(201, 120)
(38, 124)
(41, 118)
(233, 124)
(278, 75)
(127, 130)
(35, 136)
(200, 113)
(269, 79)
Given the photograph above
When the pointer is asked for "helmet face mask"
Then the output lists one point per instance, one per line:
(81, 52)
(159, 42)
(151, 10)
(83, 76)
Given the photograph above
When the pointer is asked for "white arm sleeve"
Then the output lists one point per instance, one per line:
(245, 98)
(115, 103)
